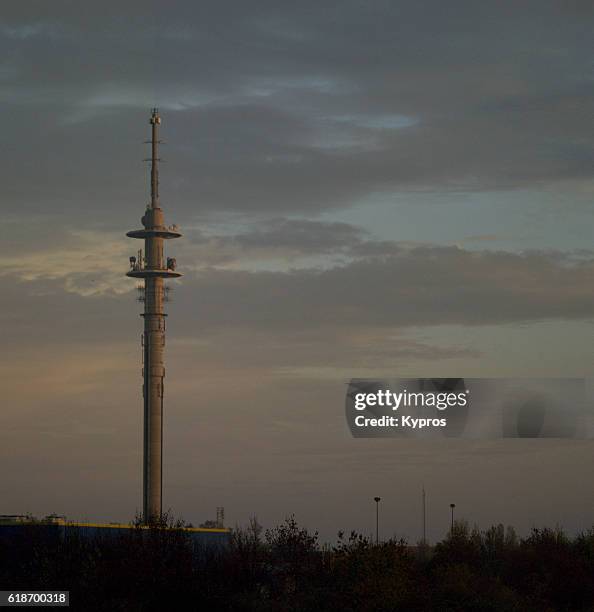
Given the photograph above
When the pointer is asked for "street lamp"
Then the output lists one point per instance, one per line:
(452, 506)
(377, 501)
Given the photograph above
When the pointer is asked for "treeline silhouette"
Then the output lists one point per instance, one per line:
(286, 569)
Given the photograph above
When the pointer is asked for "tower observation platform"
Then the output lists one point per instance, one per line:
(154, 267)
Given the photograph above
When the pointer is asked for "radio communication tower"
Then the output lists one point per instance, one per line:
(153, 268)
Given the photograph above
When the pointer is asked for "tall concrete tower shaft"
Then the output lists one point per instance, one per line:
(153, 268)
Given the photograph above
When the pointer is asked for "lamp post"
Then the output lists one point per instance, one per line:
(424, 519)
(452, 506)
(377, 501)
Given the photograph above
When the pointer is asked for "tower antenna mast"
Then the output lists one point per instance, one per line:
(155, 121)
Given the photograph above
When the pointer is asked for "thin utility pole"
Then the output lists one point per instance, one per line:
(377, 501)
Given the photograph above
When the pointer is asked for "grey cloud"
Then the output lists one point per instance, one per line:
(303, 236)
(277, 241)
(490, 98)
(418, 286)
(396, 287)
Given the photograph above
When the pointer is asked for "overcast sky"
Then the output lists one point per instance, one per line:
(366, 189)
